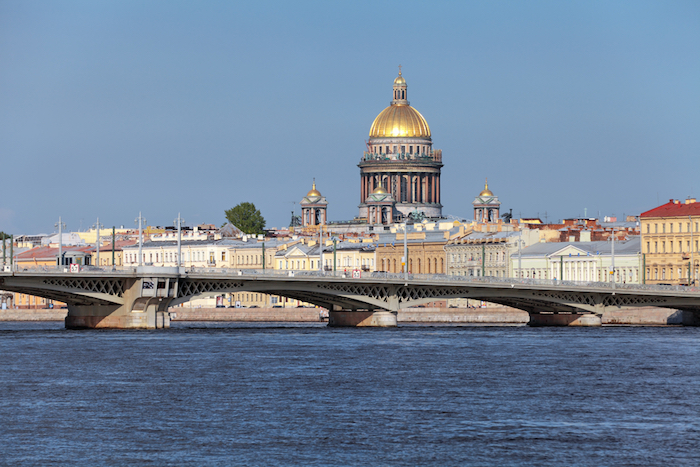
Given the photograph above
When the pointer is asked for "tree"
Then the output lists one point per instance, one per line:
(247, 218)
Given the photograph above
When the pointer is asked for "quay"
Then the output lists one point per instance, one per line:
(493, 315)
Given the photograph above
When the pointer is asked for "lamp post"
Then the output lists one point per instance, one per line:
(114, 241)
(97, 242)
(612, 253)
(690, 227)
(178, 223)
(320, 248)
(140, 220)
(60, 226)
(520, 253)
(335, 243)
(406, 223)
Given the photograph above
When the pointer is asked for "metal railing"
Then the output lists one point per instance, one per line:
(348, 274)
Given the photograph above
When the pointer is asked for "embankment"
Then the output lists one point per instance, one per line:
(644, 316)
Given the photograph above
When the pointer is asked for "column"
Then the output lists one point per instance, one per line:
(437, 188)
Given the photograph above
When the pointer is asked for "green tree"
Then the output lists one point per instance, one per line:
(247, 218)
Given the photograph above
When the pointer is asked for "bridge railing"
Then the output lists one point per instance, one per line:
(346, 274)
(378, 275)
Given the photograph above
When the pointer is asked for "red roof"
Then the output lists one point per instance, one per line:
(49, 253)
(674, 209)
(120, 244)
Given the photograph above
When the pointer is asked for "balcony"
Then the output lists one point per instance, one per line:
(433, 156)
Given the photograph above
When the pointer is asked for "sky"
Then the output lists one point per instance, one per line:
(111, 108)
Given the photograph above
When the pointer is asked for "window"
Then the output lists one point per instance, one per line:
(656, 247)
(671, 227)
(647, 228)
(663, 227)
(656, 228)
(648, 247)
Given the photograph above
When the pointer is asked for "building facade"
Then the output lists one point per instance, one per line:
(479, 254)
(670, 238)
(581, 261)
(400, 157)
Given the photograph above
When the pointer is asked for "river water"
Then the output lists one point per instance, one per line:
(205, 394)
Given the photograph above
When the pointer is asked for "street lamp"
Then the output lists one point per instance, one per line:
(406, 223)
(520, 252)
(61, 225)
(612, 254)
(690, 227)
(97, 242)
(140, 220)
(178, 223)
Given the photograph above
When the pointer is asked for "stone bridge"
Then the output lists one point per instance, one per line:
(140, 297)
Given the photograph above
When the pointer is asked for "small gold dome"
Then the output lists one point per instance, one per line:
(399, 120)
(314, 191)
(379, 190)
(486, 191)
(399, 79)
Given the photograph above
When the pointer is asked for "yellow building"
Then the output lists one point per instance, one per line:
(426, 251)
(670, 239)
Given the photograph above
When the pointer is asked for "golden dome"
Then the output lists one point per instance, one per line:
(314, 191)
(399, 120)
(399, 79)
(486, 191)
(379, 190)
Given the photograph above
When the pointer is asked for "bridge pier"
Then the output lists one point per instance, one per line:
(691, 318)
(142, 308)
(365, 318)
(564, 319)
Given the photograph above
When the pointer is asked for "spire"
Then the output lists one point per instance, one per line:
(486, 191)
(400, 92)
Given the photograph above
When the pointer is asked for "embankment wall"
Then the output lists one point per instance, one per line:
(644, 316)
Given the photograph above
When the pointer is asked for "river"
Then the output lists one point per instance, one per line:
(202, 394)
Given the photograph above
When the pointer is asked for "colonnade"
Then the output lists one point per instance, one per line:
(416, 187)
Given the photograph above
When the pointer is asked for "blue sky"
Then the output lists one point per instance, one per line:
(108, 108)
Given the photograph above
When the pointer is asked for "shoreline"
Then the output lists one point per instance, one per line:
(643, 316)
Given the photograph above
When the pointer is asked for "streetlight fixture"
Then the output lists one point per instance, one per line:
(178, 223)
(406, 223)
(612, 254)
(61, 225)
(140, 220)
(690, 265)
(97, 242)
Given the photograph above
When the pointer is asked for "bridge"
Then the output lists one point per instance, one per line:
(140, 297)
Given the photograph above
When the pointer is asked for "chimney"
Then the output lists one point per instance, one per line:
(690, 201)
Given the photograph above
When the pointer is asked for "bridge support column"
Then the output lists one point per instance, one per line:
(136, 313)
(347, 318)
(564, 319)
(691, 318)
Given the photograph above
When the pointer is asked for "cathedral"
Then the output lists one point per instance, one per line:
(400, 170)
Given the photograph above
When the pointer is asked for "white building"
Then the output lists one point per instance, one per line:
(581, 261)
